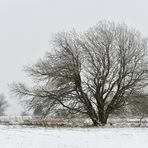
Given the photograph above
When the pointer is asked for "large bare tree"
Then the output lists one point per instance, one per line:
(89, 74)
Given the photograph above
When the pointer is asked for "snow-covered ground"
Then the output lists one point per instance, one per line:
(24, 137)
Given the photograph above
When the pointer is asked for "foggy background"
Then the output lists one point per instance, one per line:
(26, 27)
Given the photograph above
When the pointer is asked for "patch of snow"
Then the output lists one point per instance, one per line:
(23, 137)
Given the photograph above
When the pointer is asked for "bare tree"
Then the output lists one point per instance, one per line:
(136, 105)
(89, 74)
(24, 113)
(38, 110)
(3, 105)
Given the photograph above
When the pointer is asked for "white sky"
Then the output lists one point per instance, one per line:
(26, 27)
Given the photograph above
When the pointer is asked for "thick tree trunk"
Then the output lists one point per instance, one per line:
(95, 122)
(103, 118)
(101, 121)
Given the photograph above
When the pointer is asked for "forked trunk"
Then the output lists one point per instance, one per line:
(102, 120)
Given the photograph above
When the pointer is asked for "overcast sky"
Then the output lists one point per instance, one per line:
(26, 27)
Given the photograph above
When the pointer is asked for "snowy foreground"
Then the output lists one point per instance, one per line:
(23, 137)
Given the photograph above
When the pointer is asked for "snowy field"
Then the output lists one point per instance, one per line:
(24, 137)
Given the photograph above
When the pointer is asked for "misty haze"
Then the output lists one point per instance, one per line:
(74, 70)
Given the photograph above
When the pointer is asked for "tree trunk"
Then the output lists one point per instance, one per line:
(103, 118)
(103, 121)
(95, 123)
(141, 120)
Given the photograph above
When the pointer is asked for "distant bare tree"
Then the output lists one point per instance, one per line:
(136, 105)
(3, 104)
(89, 74)
(38, 110)
(139, 102)
(24, 113)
